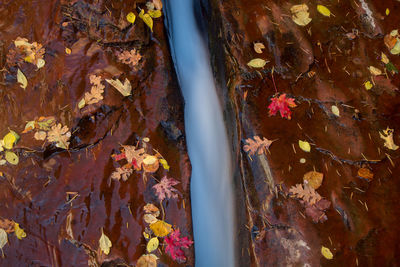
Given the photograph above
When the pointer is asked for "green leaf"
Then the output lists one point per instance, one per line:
(257, 63)
(391, 68)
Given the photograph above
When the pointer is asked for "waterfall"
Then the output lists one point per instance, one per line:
(208, 148)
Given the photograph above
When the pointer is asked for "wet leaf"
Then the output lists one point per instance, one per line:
(40, 135)
(283, 105)
(314, 179)
(368, 85)
(60, 135)
(131, 17)
(305, 146)
(258, 47)
(175, 243)
(391, 68)
(68, 51)
(335, 110)
(104, 243)
(257, 146)
(164, 189)
(365, 173)
(384, 58)
(149, 260)
(396, 49)
(326, 252)
(150, 164)
(158, 4)
(11, 157)
(3, 239)
(125, 89)
(387, 136)
(164, 163)
(22, 79)
(374, 71)
(306, 193)
(300, 14)
(151, 208)
(30, 125)
(19, 232)
(40, 63)
(154, 13)
(147, 19)
(387, 12)
(131, 57)
(161, 228)
(9, 140)
(149, 218)
(152, 244)
(81, 103)
(324, 10)
(257, 63)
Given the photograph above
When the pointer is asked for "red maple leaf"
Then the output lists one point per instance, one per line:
(175, 243)
(164, 188)
(282, 104)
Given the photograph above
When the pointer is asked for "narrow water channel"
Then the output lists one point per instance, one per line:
(211, 180)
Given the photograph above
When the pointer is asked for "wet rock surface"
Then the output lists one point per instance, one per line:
(321, 65)
(63, 198)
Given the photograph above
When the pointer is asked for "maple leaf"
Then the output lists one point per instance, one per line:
(164, 188)
(134, 156)
(60, 135)
(257, 145)
(306, 193)
(121, 173)
(129, 57)
(175, 243)
(281, 104)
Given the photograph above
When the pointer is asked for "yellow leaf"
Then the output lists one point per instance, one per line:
(152, 245)
(81, 103)
(149, 218)
(304, 145)
(146, 235)
(374, 71)
(258, 47)
(387, 11)
(154, 13)
(314, 179)
(368, 85)
(148, 160)
(164, 163)
(105, 243)
(324, 10)
(149, 260)
(9, 140)
(22, 79)
(335, 110)
(40, 63)
(19, 232)
(387, 136)
(161, 228)
(68, 51)
(148, 20)
(11, 157)
(3, 239)
(257, 63)
(300, 14)
(326, 252)
(131, 17)
(385, 59)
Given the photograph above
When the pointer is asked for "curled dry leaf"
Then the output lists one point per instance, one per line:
(151, 208)
(387, 136)
(374, 71)
(258, 47)
(365, 173)
(300, 14)
(313, 179)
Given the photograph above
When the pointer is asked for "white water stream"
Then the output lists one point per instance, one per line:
(211, 181)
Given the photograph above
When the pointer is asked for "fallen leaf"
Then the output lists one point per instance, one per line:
(335, 110)
(3, 240)
(174, 246)
(157, 4)
(365, 173)
(131, 17)
(387, 12)
(131, 57)
(22, 79)
(258, 47)
(125, 89)
(150, 164)
(164, 189)
(40, 63)
(300, 14)
(9, 140)
(11, 157)
(104, 243)
(148, 260)
(314, 179)
(283, 105)
(387, 136)
(68, 51)
(152, 244)
(19, 232)
(161, 228)
(154, 13)
(40, 135)
(147, 19)
(257, 145)
(82, 103)
(305, 146)
(384, 58)
(152, 209)
(326, 252)
(121, 173)
(149, 218)
(324, 10)
(60, 135)
(374, 71)
(257, 63)
(164, 163)
(368, 85)
(306, 193)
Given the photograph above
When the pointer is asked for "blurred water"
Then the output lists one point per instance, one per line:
(211, 181)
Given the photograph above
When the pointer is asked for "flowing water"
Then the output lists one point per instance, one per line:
(211, 181)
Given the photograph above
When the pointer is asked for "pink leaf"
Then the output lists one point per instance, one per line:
(175, 243)
(283, 105)
(164, 188)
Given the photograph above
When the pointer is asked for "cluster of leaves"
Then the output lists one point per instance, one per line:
(48, 128)
(8, 227)
(6, 146)
(131, 58)
(96, 92)
(153, 11)
(25, 51)
(313, 203)
(137, 159)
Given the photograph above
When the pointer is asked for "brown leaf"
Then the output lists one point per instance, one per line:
(365, 173)
(258, 47)
(257, 145)
(313, 179)
(60, 135)
(306, 193)
(134, 156)
(121, 173)
(317, 211)
(131, 58)
(148, 260)
(96, 93)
